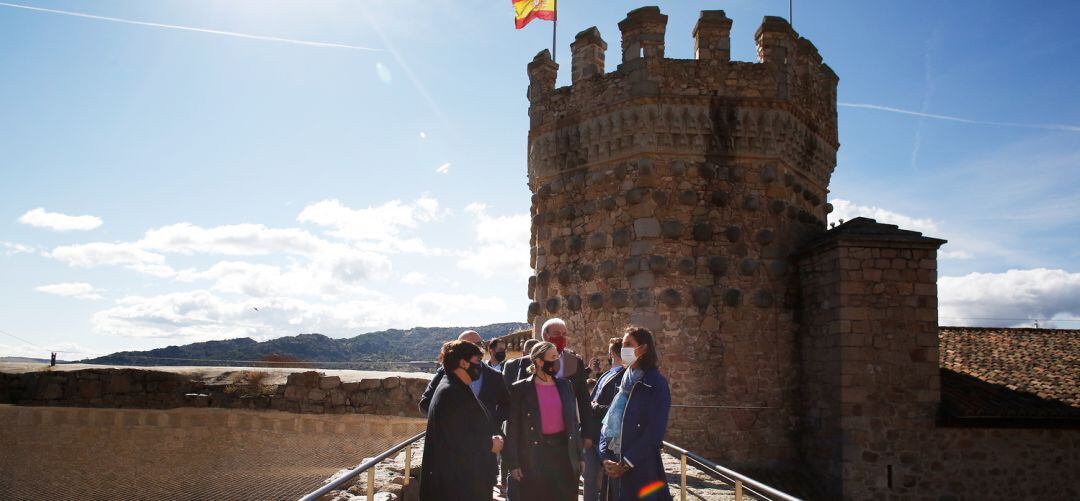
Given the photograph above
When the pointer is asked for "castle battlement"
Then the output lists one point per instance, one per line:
(672, 194)
(782, 106)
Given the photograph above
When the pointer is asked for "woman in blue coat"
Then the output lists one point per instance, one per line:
(634, 427)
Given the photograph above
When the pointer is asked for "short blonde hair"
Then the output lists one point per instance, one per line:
(538, 351)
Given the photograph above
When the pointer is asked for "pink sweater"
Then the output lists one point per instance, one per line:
(551, 419)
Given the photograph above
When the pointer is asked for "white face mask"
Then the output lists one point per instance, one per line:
(628, 356)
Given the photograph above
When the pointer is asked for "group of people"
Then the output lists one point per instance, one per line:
(536, 424)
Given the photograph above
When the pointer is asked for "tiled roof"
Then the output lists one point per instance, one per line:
(1010, 373)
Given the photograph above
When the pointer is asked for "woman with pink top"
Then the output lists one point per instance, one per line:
(543, 434)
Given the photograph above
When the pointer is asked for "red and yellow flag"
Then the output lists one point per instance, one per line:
(527, 10)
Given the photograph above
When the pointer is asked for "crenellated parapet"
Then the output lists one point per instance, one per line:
(783, 106)
(673, 193)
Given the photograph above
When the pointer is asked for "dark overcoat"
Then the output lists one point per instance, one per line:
(514, 370)
(524, 431)
(573, 369)
(644, 424)
(493, 394)
(458, 464)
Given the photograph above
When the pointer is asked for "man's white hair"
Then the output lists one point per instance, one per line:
(549, 323)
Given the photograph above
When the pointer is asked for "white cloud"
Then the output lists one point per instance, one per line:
(105, 254)
(444, 168)
(846, 210)
(502, 244)
(1004, 299)
(959, 254)
(414, 278)
(56, 221)
(328, 274)
(78, 290)
(12, 248)
(200, 315)
(376, 228)
(230, 240)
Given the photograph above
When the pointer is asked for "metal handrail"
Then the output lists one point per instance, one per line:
(369, 466)
(739, 479)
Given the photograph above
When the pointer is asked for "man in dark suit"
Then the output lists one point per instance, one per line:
(515, 370)
(607, 385)
(489, 388)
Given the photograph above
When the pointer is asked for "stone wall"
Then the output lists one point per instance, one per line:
(871, 384)
(182, 453)
(306, 392)
(672, 194)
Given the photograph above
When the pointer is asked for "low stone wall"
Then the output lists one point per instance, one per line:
(183, 453)
(308, 392)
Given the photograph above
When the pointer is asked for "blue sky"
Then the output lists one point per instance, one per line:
(160, 184)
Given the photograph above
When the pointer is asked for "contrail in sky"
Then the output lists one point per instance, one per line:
(1069, 128)
(189, 28)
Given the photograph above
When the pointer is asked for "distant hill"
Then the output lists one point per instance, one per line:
(383, 350)
(26, 360)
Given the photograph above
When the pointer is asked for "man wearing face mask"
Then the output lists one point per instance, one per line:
(459, 449)
(543, 444)
(571, 367)
(489, 387)
(606, 386)
(497, 353)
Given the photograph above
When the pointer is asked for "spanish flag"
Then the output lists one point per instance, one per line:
(527, 10)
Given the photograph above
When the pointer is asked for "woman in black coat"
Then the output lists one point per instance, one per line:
(459, 449)
(543, 434)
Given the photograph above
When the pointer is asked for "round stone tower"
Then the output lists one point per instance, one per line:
(673, 194)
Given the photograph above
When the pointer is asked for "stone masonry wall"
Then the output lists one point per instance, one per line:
(305, 392)
(871, 384)
(672, 194)
(183, 453)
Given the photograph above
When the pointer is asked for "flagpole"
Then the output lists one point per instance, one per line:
(790, 21)
(554, 27)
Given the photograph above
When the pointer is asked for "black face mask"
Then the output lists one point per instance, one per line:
(473, 371)
(550, 368)
(500, 355)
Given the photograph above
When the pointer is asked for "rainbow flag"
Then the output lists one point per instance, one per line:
(527, 10)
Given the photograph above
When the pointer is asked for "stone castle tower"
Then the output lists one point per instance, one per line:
(673, 194)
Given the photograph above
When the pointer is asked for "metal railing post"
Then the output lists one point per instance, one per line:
(757, 488)
(368, 466)
(682, 479)
(408, 464)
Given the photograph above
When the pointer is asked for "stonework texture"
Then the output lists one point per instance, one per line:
(672, 194)
(689, 197)
(303, 392)
(183, 453)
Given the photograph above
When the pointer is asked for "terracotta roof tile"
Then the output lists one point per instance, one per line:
(1042, 363)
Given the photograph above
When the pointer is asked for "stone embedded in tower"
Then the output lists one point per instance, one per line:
(672, 194)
